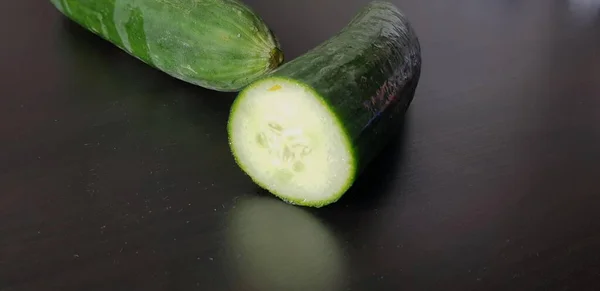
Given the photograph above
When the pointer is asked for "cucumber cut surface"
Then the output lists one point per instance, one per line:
(291, 143)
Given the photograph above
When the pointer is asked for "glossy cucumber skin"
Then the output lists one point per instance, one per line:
(217, 44)
(367, 74)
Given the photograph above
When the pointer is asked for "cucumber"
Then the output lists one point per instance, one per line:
(307, 130)
(217, 44)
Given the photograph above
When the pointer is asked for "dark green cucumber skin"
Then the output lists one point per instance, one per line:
(217, 44)
(367, 74)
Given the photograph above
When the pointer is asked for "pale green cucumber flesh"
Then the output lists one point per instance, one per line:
(217, 44)
(363, 80)
(285, 136)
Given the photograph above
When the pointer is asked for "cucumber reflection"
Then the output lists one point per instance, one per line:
(276, 246)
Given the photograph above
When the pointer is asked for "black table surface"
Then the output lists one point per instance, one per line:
(117, 177)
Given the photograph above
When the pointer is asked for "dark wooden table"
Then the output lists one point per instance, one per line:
(115, 176)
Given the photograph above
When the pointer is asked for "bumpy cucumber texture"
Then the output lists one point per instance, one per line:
(217, 44)
(307, 131)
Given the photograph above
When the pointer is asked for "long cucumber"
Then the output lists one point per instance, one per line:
(217, 44)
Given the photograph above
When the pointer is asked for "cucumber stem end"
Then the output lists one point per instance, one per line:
(277, 58)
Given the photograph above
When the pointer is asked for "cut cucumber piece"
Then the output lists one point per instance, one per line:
(306, 131)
